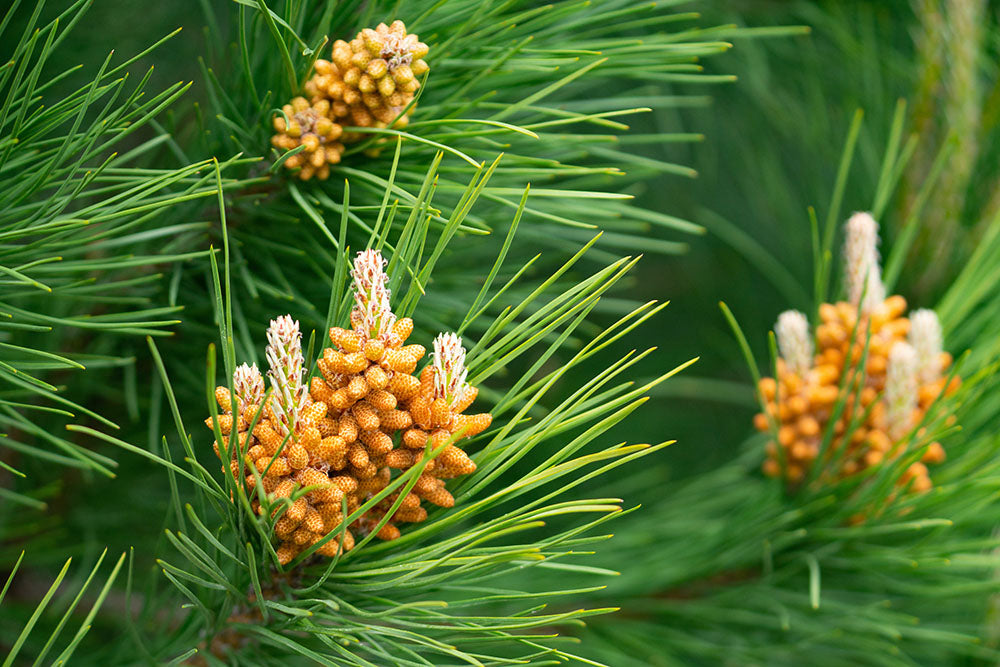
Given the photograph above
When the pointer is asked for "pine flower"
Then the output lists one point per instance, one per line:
(370, 81)
(364, 417)
(926, 339)
(801, 405)
(449, 368)
(372, 311)
(284, 356)
(372, 78)
(312, 126)
(794, 341)
(901, 389)
(861, 262)
(882, 398)
(248, 385)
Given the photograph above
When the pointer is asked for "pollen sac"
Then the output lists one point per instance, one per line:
(371, 80)
(341, 437)
(867, 385)
(865, 388)
(312, 125)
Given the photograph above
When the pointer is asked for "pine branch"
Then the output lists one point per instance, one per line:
(427, 595)
(776, 576)
(546, 87)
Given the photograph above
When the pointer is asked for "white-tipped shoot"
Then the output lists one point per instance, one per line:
(248, 385)
(925, 337)
(901, 389)
(795, 344)
(862, 274)
(284, 356)
(371, 295)
(449, 367)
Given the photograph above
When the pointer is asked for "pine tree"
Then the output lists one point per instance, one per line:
(343, 353)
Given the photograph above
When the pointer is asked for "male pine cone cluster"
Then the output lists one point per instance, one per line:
(888, 370)
(337, 440)
(368, 83)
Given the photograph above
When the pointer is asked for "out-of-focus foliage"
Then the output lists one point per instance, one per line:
(735, 570)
